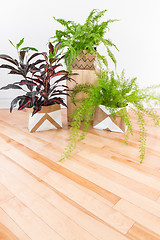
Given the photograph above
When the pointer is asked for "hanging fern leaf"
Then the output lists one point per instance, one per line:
(112, 57)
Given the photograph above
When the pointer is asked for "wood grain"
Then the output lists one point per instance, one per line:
(6, 234)
(138, 232)
(101, 192)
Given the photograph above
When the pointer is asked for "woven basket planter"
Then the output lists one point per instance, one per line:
(104, 120)
(48, 118)
(85, 61)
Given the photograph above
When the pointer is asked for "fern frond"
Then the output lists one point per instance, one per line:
(97, 16)
(112, 57)
(90, 17)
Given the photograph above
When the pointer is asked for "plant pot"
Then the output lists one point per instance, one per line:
(104, 120)
(85, 61)
(48, 118)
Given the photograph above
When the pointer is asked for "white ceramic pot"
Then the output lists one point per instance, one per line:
(49, 117)
(104, 120)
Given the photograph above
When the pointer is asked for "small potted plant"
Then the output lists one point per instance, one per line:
(79, 41)
(112, 95)
(42, 86)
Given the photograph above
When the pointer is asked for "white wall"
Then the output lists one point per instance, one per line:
(137, 34)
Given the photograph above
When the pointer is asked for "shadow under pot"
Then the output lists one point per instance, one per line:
(49, 117)
(104, 120)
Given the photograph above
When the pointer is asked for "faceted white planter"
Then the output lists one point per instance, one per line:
(104, 120)
(48, 118)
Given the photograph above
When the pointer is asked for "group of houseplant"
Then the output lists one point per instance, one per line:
(42, 84)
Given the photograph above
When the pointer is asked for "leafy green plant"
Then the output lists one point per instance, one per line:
(77, 37)
(19, 50)
(114, 92)
(41, 83)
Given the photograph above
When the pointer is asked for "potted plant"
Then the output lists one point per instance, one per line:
(42, 86)
(79, 41)
(112, 92)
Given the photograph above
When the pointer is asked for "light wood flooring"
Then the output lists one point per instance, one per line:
(100, 193)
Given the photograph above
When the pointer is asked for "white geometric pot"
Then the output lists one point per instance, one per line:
(49, 117)
(104, 120)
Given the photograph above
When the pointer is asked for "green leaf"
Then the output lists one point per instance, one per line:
(98, 15)
(108, 42)
(11, 43)
(112, 57)
(20, 43)
(29, 48)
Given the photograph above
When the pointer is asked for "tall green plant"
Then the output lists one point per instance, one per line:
(77, 37)
(113, 91)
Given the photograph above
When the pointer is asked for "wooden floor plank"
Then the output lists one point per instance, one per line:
(123, 192)
(33, 226)
(5, 234)
(139, 215)
(128, 171)
(137, 232)
(4, 194)
(74, 211)
(103, 211)
(57, 167)
(101, 192)
(66, 228)
(124, 179)
(12, 227)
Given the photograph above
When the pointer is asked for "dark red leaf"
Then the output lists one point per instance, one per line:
(7, 66)
(44, 94)
(15, 100)
(59, 59)
(33, 56)
(56, 100)
(59, 93)
(57, 65)
(57, 47)
(52, 60)
(33, 95)
(61, 79)
(11, 86)
(9, 59)
(27, 104)
(36, 109)
(60, 73)
(22, 54)
(26, 82)
(37, 62)
(51, 48)
(16, 72)
(36, 79)
(45, 56)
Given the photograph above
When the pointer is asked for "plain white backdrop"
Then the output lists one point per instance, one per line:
(137, 34)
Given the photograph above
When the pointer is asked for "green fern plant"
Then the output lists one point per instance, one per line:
(113, 91)
(77, 37)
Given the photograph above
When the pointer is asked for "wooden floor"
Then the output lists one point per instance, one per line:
(100, 193)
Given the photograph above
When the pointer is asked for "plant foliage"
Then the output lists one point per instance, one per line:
(113, 91)
(77, 37)
(41, 82)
